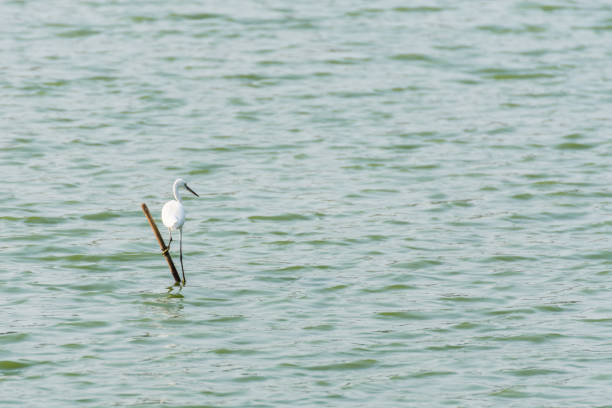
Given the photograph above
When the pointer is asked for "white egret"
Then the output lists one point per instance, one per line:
(173, 215)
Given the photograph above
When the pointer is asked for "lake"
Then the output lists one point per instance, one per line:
(401, 204)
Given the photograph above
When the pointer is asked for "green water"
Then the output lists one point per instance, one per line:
(402, 204)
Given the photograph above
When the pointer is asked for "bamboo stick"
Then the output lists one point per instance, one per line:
(162, 244)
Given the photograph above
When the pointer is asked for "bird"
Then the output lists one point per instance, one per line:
(173, 215)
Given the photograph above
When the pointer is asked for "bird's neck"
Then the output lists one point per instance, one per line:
(175, 191)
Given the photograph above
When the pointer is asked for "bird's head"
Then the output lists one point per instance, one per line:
(182, 183)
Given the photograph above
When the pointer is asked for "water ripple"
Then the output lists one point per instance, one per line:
(400, 204)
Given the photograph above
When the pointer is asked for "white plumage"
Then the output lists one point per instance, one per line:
(173, 215)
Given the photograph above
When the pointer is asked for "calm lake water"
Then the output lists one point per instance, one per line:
(402, 203)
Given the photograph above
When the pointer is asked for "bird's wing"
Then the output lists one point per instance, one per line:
(173, 214)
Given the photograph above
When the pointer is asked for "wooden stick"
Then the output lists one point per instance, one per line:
(162, 244)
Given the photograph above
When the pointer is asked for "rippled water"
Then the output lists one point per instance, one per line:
(402, 204)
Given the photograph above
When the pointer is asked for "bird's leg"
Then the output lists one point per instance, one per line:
(181, 251)
(167, 248)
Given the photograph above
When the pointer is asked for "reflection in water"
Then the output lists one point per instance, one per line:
(167, 305)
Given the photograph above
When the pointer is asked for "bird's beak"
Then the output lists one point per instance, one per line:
(187, 187)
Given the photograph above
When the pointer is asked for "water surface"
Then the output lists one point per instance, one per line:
(401, 204)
